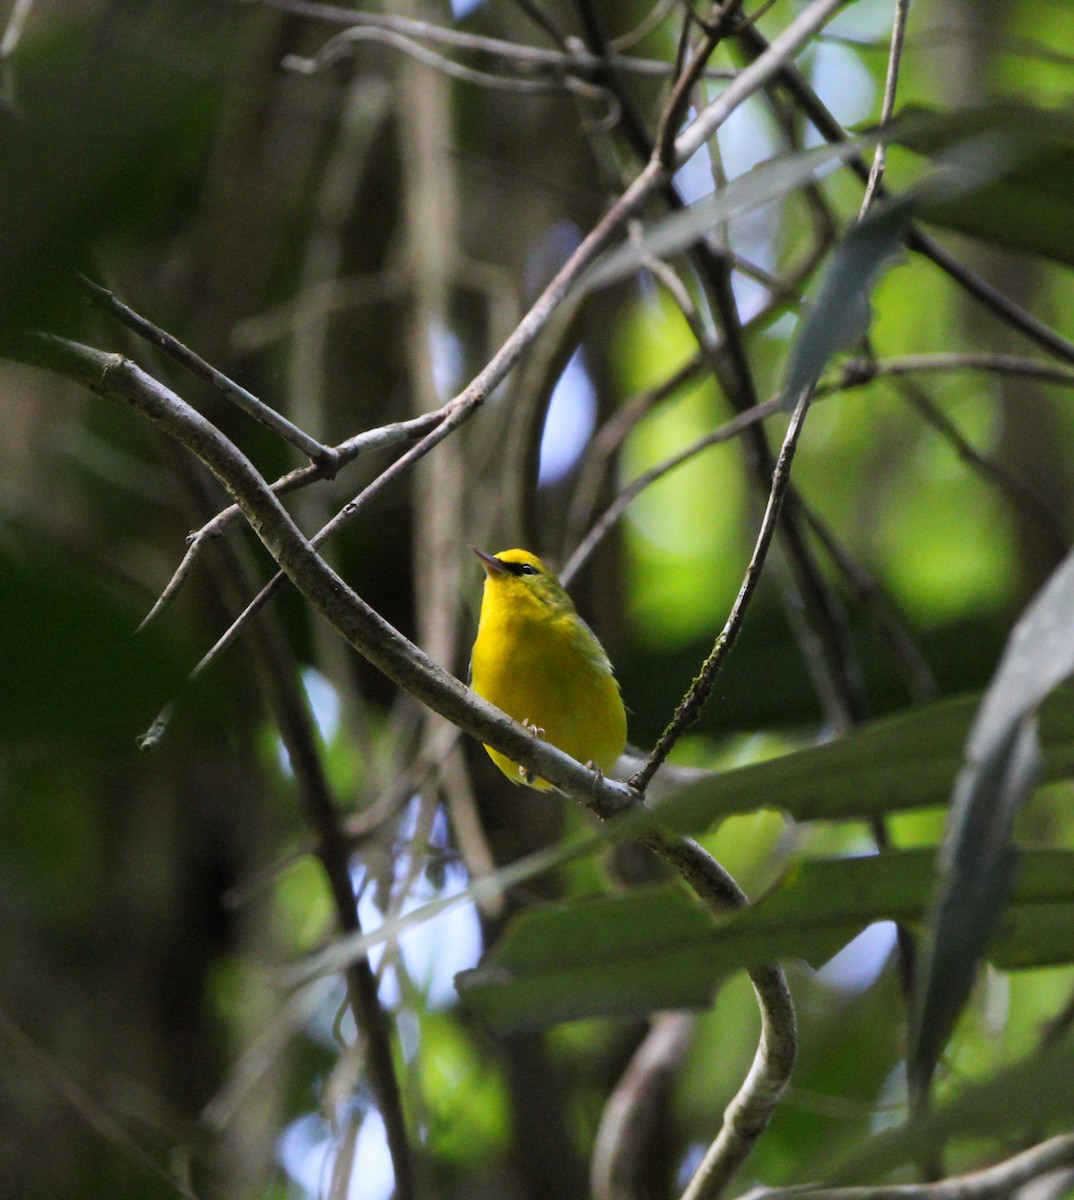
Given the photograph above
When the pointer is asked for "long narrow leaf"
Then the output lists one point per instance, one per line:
(977, 863)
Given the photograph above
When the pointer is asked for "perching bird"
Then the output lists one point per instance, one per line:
(536, 659)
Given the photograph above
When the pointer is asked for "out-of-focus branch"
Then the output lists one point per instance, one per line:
(632, 1113)
(1002, 1179)
(573, 58)
(346, 452)
(606, 521)
(887, 107)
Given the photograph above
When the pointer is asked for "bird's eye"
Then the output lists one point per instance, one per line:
(526, 569)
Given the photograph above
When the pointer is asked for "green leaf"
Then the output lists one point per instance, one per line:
(658, 948)
(1001, 767)
(902, 762)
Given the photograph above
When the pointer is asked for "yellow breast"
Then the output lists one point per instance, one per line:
(544, 666)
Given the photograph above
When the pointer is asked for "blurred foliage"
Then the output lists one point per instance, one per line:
(151, 904)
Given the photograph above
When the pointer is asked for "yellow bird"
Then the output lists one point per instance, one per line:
(536, 659)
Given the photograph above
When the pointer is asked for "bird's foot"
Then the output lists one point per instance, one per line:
(532, 727)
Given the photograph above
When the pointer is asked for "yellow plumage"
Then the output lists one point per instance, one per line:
(536, 659)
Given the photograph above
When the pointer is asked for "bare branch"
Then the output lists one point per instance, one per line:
(346, 452)
(604, 524)
(87, 1108)
(631, 1114)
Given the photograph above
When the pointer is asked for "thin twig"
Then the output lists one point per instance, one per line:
(575, 59)
(679, 99)
(604, 523)
(610, 436)
(346, 452)
(341, 45)
(858, 372)
(887, 107)
(1021, 494)
(88, 1109)
(200, 369)
(690, 708)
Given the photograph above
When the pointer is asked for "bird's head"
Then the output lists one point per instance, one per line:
(519, 574)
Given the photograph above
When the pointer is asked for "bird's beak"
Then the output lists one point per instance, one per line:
(492, 565)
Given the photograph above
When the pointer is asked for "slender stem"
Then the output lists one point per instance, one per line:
(606, 521)
(690, 708)
(887, 107)
(346, 452)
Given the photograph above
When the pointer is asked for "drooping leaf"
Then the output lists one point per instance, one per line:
(840, 315)
(998, 170)
(658, 948)
(1001, 767)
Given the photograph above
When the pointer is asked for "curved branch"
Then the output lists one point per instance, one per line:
(748, 1114)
